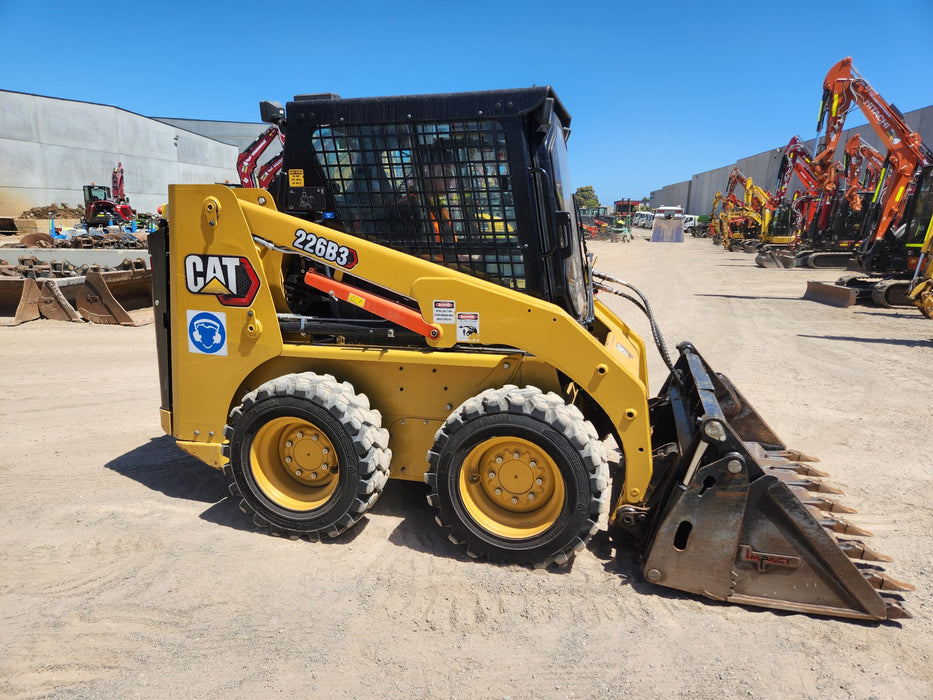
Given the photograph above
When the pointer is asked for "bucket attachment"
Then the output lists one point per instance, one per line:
(19, 301)
(832, 294)
(99, 297)
(748, 521)
(774, 258)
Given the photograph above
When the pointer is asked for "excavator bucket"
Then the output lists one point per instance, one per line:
(99, 297)
(745, 520)
(780, 258)
(19, 301)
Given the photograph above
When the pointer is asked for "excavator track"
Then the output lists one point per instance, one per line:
(823, 259)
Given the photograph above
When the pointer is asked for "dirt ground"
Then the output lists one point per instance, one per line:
(128, 571)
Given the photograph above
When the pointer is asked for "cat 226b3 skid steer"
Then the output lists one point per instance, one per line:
(412, 299)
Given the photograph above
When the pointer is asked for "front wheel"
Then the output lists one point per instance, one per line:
(518, 476)
(307, 455)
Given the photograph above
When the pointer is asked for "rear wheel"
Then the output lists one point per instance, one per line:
(307, 455)
(519, 476)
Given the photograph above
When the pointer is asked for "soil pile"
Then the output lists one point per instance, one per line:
(60, 211)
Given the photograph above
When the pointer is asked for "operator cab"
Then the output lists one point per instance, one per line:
(477, 182)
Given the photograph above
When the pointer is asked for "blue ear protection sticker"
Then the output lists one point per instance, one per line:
(207, 332)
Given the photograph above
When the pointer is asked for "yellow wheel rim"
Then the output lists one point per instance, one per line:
(511, 488)
(294, 463)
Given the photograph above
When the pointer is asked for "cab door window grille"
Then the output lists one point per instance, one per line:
(441, 191)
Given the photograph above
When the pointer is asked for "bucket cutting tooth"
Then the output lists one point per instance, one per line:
(840, 526)
(825, 504)
(894, 611)
(790, 456)
(882, 582)
(797, 468)
(811, 485)
(764, 456)
(858, 550)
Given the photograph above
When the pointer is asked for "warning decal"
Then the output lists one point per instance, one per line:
(467, 327)
(444, 311)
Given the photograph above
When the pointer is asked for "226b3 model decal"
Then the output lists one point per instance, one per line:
(230, 278)
(325, 250)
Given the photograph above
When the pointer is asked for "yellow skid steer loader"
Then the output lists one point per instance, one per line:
(412, 299)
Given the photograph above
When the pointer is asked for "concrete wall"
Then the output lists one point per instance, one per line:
(239, 134)
(763, 167)
(50, 148)
(672, 195)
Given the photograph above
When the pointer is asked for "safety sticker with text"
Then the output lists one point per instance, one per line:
(207, 332)
(444, 311)
(467, 327)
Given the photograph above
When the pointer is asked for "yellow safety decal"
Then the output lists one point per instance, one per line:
(296, 178)
(880, 182)
(835, 104)
(900, 192)
(356, 299)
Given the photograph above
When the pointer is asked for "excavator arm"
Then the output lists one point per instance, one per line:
(248, 160)
(843, 87)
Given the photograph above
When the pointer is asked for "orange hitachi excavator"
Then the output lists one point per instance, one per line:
(859, 154)
(790, 218)
(889, 250)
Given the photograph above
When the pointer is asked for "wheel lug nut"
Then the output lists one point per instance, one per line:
(288, 460)
(314, 475)
(531, 497)
(514, 500)
(288, 444)
(498, 492)
(492, 475)
(539, 481)
(498, 460)
(324, 451)
(532, 464)
(299, 434)
(297, 472)
(515, 455)
(313, 437)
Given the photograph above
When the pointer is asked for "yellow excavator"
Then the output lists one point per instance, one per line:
(358, 322)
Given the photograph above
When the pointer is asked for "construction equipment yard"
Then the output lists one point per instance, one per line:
(129, 570)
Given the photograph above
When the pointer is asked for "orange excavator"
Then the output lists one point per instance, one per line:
(890, 249)
(790, 218)
(858, 153)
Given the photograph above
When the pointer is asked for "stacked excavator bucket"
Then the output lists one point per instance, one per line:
(749, 521)
(58, 292)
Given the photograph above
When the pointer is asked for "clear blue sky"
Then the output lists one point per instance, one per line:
(658, 90)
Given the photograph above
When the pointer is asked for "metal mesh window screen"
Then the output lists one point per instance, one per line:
(441, 191)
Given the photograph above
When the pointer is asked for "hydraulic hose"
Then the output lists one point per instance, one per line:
(644, 306)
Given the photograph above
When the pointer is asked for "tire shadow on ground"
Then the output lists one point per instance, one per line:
(160, 465)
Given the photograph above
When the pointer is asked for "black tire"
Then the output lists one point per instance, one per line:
(518, 476)
(308, 456)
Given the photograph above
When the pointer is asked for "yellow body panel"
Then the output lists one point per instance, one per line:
(414, 389)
